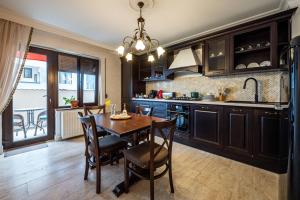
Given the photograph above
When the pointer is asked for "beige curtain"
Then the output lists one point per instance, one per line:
(14, 43)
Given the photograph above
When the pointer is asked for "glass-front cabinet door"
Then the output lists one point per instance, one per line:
(216, 56)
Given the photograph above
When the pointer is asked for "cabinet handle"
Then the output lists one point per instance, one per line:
(237, 110)
(271, 113)
(204, 108)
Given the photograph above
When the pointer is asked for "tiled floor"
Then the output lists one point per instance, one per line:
(56, 173)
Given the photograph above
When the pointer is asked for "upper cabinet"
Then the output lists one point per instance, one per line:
(216, 56)
(255, 46)
(254, 49)
(154, 71)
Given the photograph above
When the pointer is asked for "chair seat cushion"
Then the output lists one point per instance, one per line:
(140, 155)
(111, 143)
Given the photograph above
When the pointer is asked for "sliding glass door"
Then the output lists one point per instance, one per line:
(30, 100)
(29, 117)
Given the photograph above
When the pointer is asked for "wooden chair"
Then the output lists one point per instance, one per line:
(96, 148)
(96, 110)
(18, 121)
(93, 110)
(144, 110)
(150, 155)
(41, 122)
(143, 135)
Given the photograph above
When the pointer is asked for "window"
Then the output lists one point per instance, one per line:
(89, 88)
(27, 72)
(78, 79)
(67, 79)
(89, 72)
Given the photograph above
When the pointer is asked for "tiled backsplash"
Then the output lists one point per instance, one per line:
(272, 86)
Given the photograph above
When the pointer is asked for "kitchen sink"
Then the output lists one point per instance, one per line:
(260, 102)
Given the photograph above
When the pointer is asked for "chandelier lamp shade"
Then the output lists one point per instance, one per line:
(140, 42)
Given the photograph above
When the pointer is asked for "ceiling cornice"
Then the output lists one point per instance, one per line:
(12, 16)
(271, 12)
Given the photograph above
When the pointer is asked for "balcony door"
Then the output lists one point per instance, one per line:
(29, 118)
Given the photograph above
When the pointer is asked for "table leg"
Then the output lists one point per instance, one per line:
(28, 119)
(120, 188)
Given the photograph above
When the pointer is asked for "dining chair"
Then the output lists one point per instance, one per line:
(147, 111)
(96, 110)
(41, 122)
(93, 110)
(151, 155)
(18, 124)
(96, 149)
(144, 110)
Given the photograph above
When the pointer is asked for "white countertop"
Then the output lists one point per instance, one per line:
(222, 103)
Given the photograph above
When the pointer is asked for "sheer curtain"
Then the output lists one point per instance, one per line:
(14, 42)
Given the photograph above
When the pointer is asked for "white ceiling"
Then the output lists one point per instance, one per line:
(108, 21)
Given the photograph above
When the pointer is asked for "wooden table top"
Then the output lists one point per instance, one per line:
(125, 127)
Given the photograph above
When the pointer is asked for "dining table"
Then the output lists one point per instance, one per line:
(30, 115)
(125, 128)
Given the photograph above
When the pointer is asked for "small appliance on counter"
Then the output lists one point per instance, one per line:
(169, 95)
(194, 95)
(152, 94)
(160, 94)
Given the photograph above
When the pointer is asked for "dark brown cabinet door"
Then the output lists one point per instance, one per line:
(217, 56)
(238, 130)
(271, 136)
(131, 85)
(207, 125)
(126, 71)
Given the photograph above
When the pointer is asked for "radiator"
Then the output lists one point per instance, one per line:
(67, 124)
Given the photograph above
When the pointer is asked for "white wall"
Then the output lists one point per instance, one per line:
(52, 37)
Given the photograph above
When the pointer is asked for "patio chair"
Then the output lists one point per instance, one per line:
(41, 122)
(18, 124)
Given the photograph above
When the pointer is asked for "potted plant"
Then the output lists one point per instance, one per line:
(71, 101)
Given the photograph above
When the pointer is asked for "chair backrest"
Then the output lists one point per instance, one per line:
(93, 110)
(166, 130)
(43, 113)
(90, 135)
(144, 110)
(18, 117)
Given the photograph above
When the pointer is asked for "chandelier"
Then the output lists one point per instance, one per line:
(140, 42)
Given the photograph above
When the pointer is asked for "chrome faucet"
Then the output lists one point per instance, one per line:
(256, 87)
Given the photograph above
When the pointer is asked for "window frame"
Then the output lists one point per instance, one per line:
(80, 80)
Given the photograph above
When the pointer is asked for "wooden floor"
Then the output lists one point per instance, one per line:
(56, 173)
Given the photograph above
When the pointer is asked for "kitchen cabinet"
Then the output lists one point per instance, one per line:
(156, 70)
(159, 109)
(271, 136)
(217, 56)
(238, 130)
(241, 49)
(207, 125)
(130, 83)
(256, 136)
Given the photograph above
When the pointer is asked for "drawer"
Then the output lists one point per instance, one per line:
(160, 106)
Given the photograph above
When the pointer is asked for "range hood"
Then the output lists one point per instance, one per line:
(186, 61)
